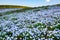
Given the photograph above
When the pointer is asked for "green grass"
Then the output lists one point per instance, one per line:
(12, 6)
(14, 19)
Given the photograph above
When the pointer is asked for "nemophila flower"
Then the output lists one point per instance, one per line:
(41, 23)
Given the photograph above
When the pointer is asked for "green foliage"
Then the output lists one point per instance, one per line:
(1, 28)
(9, 33)
(5, 17)
(58, 21)
(55, 38)
(20, 36)
(36, 10)
(2, 35)
(51, 28)
(52, 36)
(28, 36)
(37, 24)
(32, 21)
(0, 14)
(14, 18)
(7, 13)
(30, 26)
(58, 26)
(57, 4)
(45, 7)
(23, 35)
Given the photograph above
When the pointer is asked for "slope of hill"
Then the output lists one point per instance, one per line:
(38, 23)
(12, 6)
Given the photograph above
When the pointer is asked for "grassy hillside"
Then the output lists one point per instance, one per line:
(12, 6)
